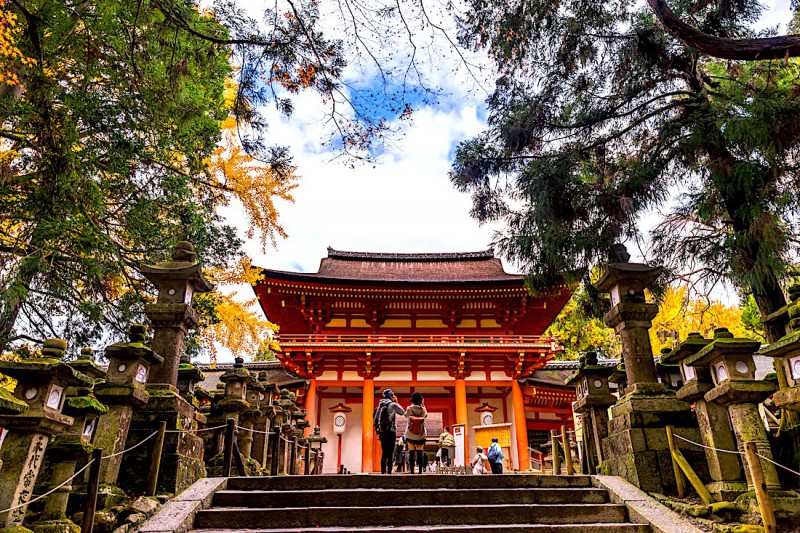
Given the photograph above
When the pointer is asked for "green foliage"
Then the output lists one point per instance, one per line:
(109, 143)
(579, 331)
(600, 118)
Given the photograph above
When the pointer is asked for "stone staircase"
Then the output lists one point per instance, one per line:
(399, 503)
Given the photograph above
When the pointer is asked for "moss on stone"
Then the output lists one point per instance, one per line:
(10, 403)
(161, 393)
(56, 526)
(747, 528)
(86, 403)
(15, 529)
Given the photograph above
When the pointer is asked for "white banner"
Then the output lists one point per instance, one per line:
(459, 434)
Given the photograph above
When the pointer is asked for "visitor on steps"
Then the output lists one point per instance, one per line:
(496, 457)
(446, 441)
(385, 422)
(415, 431)
(479, 462)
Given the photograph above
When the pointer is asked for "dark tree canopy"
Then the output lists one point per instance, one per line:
(601, 118)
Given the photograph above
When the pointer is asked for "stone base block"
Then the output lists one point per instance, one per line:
(786, 503)
(56, 526)
(726, 490)
(650, 410)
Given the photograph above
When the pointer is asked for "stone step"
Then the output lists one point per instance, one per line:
(417, 515)
(406, 496)
(372, 481)
(517, 528)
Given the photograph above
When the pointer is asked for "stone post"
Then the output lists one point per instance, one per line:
(727, 480)
(32, 416)
(123, 391)
(287, 406)
(264, 421)
(315, 440)
(593, 400)
(172, 315)
(636, 447)
(171, 385)
(730, 363)
(72, 446)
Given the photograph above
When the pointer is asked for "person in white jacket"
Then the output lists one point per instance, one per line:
(416, 434)
(479, 462)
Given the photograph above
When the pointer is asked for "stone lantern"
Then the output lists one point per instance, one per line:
(263, 422)
(251, 416)
(730, 364)
(236, 381)
(315, 441)
(172, 315)
(619, 379)
(593, 400)
(669, 374)
(787, 353)
(41, 384)
(122, 391)
(71, 446)
(188, 377)
(635, 447)
(727, 480)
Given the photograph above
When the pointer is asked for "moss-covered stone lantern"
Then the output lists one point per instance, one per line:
(730, 363)
(123, 390)
(41, 385)
(787, 352)
(727, 479)
(236, 381)
(635, 447)
(593, 400)
(71, 446)
(188, 378)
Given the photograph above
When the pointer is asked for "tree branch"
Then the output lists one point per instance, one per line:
(724, 48)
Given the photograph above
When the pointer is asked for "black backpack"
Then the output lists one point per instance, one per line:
(383, 422)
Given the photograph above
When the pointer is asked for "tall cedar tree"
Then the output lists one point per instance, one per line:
(104, 141)
(599, 117)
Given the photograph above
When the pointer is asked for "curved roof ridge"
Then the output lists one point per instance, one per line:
(406, 257)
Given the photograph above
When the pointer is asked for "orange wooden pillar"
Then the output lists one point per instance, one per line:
(461, 413)
(311, 406)
(368, 432)
(520, 425)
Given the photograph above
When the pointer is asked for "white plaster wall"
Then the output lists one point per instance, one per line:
(331, 375)
(498, 375)
(351, 375)
(351, 439)
(395, 376)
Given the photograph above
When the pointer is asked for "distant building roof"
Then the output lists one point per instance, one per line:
(276, 374)
(397, 267)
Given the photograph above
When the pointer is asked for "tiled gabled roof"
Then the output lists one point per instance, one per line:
(422, 267)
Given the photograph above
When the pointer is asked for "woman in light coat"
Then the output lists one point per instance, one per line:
(479, 463)
(415, 431)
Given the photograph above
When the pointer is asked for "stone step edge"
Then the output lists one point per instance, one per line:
(371, 509)
(610, 526)
(381, 490)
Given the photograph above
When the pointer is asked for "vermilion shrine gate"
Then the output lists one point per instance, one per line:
(454, 326)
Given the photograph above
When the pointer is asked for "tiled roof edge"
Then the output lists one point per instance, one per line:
(379, 256)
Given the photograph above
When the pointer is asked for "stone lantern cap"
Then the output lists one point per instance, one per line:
(316, 437)
(589, 367)
(49, 367)
(694, 343)
(723, 347)
(134, 349)
(188, 372)
(237, 373)
(85, 363)
(618, 375)
(788, 345)
(635, 275)
(183, 266)
(10, 404)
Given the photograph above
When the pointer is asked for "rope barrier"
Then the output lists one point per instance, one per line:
(778, 464)
(153, 434)
(251, 430)
(49, 492)
(199, 430)
(706, 447)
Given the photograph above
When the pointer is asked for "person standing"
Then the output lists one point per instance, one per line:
(385, 421)
(415, 430)
(479, 462)
(446, 441)
(496, 457)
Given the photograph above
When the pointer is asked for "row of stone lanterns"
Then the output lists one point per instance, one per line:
(714, 376)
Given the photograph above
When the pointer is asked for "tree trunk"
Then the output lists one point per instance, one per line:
(738, 49)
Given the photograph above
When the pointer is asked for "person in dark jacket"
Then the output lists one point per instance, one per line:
(385, 415)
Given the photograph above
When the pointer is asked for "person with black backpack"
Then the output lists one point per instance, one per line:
(386, 427)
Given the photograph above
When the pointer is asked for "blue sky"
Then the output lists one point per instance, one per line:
(403, 203)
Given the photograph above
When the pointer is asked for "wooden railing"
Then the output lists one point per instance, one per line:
(286, 339)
